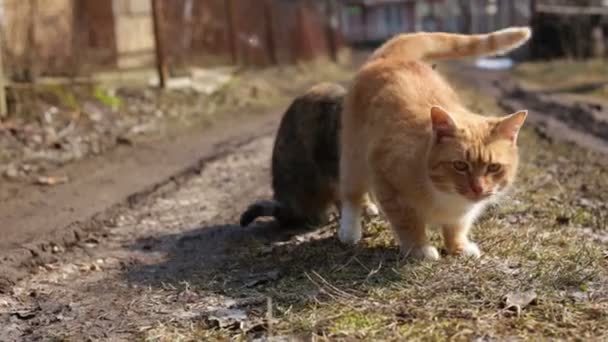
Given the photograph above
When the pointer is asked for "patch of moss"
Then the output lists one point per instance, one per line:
(106, 98)
(64, 96)
(356, 324)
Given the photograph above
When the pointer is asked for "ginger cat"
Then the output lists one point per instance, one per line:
(427, 159)
(305, 161)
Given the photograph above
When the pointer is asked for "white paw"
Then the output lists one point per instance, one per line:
(426, 252)
(471, 250)
(371, 210)
(349, 231)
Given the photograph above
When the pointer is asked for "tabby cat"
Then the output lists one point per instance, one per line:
(427, 159)
(305, 161)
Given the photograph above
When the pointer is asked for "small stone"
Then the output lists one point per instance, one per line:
(232, 319)
(11, 172)
(57, 249)
(36, 139)
(586, 203)
(517, 301)
(52, 180)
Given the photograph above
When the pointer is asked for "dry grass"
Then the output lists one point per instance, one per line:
(544, 237)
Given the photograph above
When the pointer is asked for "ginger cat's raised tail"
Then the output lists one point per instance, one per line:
(438, 45)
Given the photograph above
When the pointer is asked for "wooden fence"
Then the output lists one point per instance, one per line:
(106, 34)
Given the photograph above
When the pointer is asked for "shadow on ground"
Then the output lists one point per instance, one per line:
(293, 267)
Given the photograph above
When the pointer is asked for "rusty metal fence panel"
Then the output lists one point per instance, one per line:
(197, 32)
(252, 32)
(110, 34)
(247, 32)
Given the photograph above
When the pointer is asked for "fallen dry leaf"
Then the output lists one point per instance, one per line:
(227, 319)
(8, 125)
(52, 180)
(516, 301)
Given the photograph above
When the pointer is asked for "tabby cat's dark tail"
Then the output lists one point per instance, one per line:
(260, 209)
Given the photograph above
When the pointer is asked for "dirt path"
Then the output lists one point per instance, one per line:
(39, 221)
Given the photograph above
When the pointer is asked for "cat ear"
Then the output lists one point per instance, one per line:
(509, 126)
(443, 124)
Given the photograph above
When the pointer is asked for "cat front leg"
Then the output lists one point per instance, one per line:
(457, 242)
(409, 229)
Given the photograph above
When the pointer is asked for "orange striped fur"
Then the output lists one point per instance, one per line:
(408, 139)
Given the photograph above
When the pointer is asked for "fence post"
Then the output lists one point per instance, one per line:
(331, 30)
(3, 104)
(161, 58)
(300, 40)
(533, 21)
(31, 54)
(231, 30)
(270, 43)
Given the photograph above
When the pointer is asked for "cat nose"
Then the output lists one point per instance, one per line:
(476, 188)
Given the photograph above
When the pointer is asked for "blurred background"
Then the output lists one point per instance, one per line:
(79, 37)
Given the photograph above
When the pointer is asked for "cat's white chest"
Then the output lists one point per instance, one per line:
(453, 209)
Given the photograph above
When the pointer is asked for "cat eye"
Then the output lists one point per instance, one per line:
(460, 166)
(493, 168)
